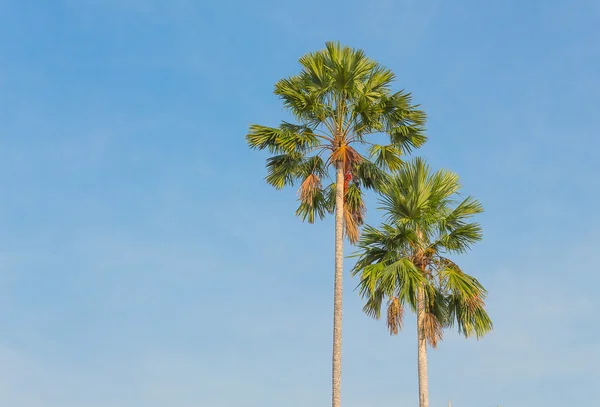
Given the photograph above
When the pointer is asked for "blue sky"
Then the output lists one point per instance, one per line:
(144, 261)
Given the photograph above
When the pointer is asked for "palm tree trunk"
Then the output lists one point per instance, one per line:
(422, 351)
(337, 296)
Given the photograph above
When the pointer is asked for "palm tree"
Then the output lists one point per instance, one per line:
(404, 261)
(340, 99)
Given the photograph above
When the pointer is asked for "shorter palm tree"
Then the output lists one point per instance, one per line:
(405, 263)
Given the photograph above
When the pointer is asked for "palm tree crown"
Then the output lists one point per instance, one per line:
(339, 99)
(424, 223)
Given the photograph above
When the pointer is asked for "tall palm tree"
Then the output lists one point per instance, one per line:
(404, 261)
(340, 99)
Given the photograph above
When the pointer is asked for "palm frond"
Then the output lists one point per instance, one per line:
(395, 315)
(464, 210)
(372, 306)
(352, 222)
(469, 315)
(466, 303)
(354, 212)
(312, 165)
(456, 281)
(309, 187)
(432, 328)
(400, 278)
(313, 207)
(460, 239)
(369, 175)
(282, 169)
(288, 138)
(387, 157)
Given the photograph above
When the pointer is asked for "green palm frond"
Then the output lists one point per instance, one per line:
(283, 169)
(464, 210)
(404, 121)
(315, 206)
(469, 317)
(444, 185)
(388, 242)
(400, 279)
(312, 166)
(408, 137)
(437, 303)
(288, 138)
(466, 302)
(386, 157)
(457, 281)
(330, 197)
(370, 176)
(373, 303)
(354, 212)
(460, 239)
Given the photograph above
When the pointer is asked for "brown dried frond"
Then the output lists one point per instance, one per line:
(352, 159)
(346, 156)
(432, 329)
(474, 302)
(395, 315)
(353, 219)
(351, 227)
(309, 187)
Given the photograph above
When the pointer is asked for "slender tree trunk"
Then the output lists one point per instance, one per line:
(422, 351)
(337, 296)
